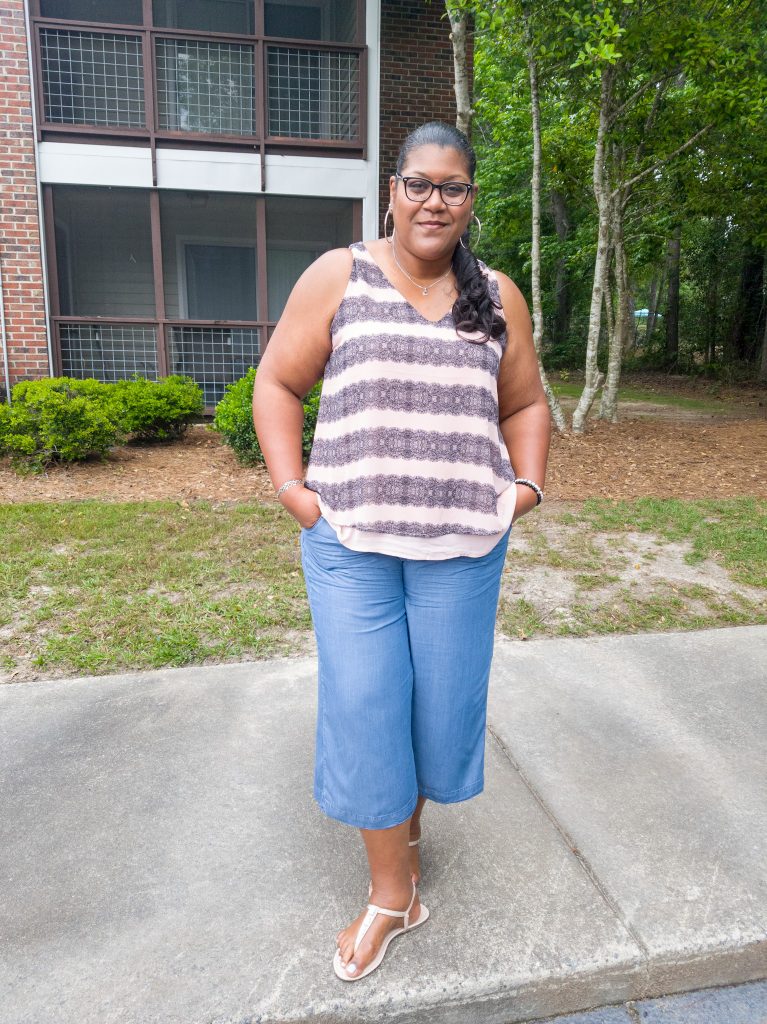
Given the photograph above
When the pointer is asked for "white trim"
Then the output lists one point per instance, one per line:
(67, 163)
(71, 163)
(39, 190)
(373, 41)
(316, 176)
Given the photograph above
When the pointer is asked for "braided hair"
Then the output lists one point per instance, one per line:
(474, 310)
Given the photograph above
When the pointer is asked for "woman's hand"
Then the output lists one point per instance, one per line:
(526, 500)
(303, 504)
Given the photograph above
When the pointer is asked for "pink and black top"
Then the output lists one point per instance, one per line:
(408, 458)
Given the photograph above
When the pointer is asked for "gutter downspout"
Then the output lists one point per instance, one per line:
(39, 190)
(4, 338)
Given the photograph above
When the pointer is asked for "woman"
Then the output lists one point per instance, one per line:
(431, 394)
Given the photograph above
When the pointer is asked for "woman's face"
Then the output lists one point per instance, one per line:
(431, 229)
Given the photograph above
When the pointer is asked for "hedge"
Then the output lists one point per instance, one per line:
(234, 419)
(64, 419)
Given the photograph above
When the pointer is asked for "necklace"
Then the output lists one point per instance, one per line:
(424, 287)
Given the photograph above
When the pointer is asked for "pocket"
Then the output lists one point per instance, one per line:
(309, 529)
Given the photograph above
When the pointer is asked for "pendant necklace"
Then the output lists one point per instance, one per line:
(424, 287)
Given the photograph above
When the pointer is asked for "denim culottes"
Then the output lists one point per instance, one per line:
(404, 649)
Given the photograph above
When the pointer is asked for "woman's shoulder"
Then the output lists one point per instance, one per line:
(510, 294)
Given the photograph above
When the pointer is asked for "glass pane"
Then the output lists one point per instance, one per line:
(207, 15)
(92, 78)
(333, 20)
(298, 230)
(209, 256)
(313, 94)
(220, 281)
(111, 12)
(103, 251)
(205, 87)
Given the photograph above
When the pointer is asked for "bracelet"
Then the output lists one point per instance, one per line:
(533, 486)
(287, 484)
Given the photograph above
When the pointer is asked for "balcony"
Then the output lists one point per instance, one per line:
(178, 282)
(159, 83)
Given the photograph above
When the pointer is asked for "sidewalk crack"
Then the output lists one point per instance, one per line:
(572, 846)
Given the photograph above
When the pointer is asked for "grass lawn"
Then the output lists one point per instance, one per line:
(568, 389)
(94, 587)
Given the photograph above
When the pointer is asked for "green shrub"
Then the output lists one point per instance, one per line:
(234, 419)
(156, 410)
(57, 419)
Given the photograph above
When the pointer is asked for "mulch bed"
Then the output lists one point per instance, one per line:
(667, 456)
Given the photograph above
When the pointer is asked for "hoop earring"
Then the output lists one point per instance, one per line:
(479, 229)
(479, 233)
(389, 238)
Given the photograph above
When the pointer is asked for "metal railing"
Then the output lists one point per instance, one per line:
(110, 349)
(96, 79)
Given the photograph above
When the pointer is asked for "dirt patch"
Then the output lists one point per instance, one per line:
(660, 456)
(641, 566)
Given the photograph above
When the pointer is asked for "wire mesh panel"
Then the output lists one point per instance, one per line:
(205, 87)
(92, 78)
(313, 94)
(213, 356)
(108, 352)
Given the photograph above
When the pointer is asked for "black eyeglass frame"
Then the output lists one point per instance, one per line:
(419, 177)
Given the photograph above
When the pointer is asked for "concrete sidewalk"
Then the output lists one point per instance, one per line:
(162, 859)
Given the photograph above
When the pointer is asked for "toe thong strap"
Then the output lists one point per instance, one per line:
(371, 914)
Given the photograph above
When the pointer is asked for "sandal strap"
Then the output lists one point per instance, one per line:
(371, 915)
(414, 842)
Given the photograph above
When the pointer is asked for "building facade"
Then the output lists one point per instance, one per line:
(171, 167)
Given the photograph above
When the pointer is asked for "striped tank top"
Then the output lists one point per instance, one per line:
(408, 458)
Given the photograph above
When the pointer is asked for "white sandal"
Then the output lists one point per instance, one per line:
(423, 916)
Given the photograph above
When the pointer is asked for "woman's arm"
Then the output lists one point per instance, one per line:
(524, 416)
(292, 364)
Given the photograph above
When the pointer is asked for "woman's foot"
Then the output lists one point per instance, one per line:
(378, 930)
(415, 860)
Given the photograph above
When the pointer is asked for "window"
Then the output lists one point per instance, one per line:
(110, 12)
(298, 230)
(104, 251)
(235, 16)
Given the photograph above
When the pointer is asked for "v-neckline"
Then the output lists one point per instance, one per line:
(385, 276)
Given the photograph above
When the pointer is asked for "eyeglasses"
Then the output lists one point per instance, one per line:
(454, 193)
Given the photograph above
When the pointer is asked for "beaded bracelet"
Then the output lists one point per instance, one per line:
(287, 484)
(533, 486)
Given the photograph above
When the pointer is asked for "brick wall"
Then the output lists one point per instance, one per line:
(20, 249)
(416, 76)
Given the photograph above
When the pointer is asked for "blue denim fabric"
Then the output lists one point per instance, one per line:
(404, 649)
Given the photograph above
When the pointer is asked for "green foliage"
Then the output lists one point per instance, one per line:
(64, 419)
(156, 410)
(672, 70)
(57, 419)
(234, 419)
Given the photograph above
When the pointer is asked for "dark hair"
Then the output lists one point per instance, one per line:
(474, 309)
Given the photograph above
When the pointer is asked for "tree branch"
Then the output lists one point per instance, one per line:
(642, 89)
(661, 163)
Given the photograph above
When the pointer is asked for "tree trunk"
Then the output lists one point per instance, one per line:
(608, 407)
(713, 314)
(462, 83)
(556, 410)
(602, 194)
(656, 291)
(744, 334)
(672, 309)
(561, 291)
(763, 360)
